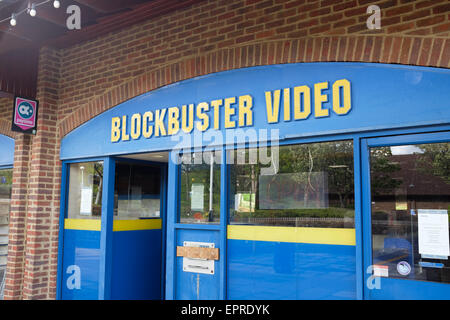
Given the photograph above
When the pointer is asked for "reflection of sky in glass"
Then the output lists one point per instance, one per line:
(403, 150)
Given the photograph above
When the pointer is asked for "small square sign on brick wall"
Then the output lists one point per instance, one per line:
(25, 114)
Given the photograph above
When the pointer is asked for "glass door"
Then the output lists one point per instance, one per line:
(406, 202)
(195, 226)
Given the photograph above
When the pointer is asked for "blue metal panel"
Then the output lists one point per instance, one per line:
(409, 139)
(6, 151)
(62, 215)
(265, 270)
(358, 219)
(104, 284)
(383, 97)
(212, 227)
(172, 212)
(367, 221)
(396, 289)
(136, 265)
(197, 286)
(81, 253)
(163, 201)
(223, 224)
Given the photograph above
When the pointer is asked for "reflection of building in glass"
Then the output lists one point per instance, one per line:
(412, 180)
(297, 190)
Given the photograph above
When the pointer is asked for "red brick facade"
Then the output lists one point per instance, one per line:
(80, 82)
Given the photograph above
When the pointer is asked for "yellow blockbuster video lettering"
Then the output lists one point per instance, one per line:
(297, 103)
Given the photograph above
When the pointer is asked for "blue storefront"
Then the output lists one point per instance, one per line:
(293, 181)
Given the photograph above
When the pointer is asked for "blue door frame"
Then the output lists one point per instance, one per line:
(216, 233)
(106, 224)
(389, 288)
(62, 215)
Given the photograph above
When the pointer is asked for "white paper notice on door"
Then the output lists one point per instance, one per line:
(197, 196)
(433, 233)
(86, 201)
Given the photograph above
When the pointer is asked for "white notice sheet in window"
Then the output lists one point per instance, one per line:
(433, 232)
(86, 201)
(197, 196)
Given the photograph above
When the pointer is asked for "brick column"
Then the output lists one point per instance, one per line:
(17, 222)
(39, 278)
(34, 217)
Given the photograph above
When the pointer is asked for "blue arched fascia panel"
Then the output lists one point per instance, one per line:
(382, 97)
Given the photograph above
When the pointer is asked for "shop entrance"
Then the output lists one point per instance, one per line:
(114, 228)
(406, 202)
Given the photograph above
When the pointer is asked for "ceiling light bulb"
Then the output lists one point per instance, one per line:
(56, 4)
(13, 20)
(33, 10)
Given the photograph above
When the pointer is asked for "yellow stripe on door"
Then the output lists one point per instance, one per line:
(118, 225)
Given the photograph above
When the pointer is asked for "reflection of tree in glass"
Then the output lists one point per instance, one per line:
(92, 177)
(435, 156)
(246, 176)
(7, 175)
(381, 169)
(333, 158)
(302, 162)
(310, 181)
(6, 181)
(192, 173)
(98, 175)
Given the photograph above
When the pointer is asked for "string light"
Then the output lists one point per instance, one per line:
(13, 20)
(31, 10)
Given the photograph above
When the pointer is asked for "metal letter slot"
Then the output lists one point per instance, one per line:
(198, 257)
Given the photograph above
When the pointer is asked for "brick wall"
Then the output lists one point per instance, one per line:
(77, 83)
(411, 29)
(6, 108)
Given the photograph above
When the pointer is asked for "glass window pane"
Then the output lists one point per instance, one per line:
(308, 185)
(136, 191)
(410, 194)
(85, 190)
(200, 187)
(5, 191)
(5, 201)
